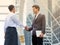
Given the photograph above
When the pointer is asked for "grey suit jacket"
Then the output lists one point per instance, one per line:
(38, 24)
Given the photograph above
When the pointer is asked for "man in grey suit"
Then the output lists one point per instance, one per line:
(38, 24)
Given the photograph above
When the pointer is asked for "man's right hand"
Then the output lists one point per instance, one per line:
(26, 28)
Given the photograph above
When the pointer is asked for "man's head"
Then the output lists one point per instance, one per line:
(36, 9)
(11, 8)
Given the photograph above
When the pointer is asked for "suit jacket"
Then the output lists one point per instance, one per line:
(38, 24)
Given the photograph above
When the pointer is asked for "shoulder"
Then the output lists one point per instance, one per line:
(13, 16)
(43, 16)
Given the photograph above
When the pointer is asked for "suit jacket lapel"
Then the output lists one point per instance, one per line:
(35, 19)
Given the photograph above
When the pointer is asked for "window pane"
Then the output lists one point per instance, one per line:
(7, 2)
(4, 10)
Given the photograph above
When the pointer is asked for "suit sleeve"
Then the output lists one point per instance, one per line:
(30, 28)
(43, 24)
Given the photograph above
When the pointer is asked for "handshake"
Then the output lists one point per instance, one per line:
(26, 28)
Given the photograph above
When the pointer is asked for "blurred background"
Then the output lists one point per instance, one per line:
(51, 9)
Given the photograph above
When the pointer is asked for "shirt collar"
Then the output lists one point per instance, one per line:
(37, 14)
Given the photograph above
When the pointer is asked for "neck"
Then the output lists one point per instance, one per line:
(12, 12)
(36, 12)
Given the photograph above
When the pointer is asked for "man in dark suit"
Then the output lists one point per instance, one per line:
(38, 24)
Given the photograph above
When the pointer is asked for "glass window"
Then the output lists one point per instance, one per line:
(7, 2)
(4, 9)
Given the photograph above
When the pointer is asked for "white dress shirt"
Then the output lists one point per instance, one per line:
(12, 21)
(37, 15)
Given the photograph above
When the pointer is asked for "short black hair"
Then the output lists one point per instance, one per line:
(10, 7)
(36, 6)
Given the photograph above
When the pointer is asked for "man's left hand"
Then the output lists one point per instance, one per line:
(41, 35)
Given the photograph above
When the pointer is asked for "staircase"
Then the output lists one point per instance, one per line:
(47, 37)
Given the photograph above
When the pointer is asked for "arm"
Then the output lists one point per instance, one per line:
(28, 29)
(16, 21)
(43, 24)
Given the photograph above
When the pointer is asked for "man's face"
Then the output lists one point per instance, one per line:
(35, 10)
(14, 10)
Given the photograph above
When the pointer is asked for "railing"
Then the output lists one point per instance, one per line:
(47, 36)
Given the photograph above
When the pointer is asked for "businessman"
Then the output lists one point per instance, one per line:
(38, 24)
(11, 22)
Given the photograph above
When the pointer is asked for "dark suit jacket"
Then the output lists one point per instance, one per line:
(38, 24)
